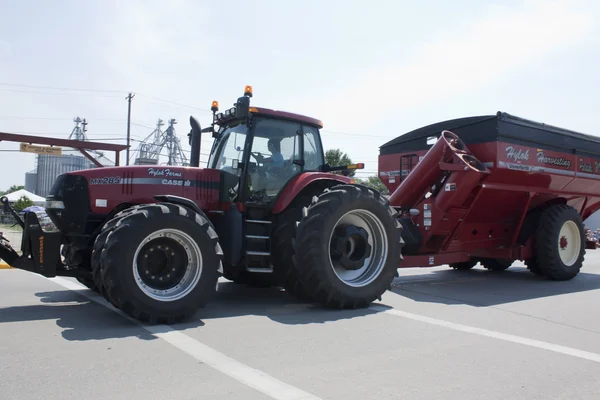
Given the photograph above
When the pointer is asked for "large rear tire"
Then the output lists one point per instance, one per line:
(348, 247)
(284, 236)
(559, 243)
(161, 263)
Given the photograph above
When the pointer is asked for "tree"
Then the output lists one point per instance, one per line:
(335, 157)
(22, 203)
(11, 189)
(375, 183)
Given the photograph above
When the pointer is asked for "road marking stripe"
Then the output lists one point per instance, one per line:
(4, 265)
(586, 355)
(249, 376)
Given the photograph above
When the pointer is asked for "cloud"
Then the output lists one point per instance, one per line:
(461, 59)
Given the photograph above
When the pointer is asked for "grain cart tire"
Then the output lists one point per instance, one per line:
(348, 247)
(463, 266)
(99, 247)
(533, 267)
(559, 243)
(284, 236)
(161, 263)
(496, 264)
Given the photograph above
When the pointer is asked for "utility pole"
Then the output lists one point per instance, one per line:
(128, 98)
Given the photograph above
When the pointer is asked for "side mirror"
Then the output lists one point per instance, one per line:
(242, 107)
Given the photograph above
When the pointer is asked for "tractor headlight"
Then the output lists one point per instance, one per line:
(54, 205)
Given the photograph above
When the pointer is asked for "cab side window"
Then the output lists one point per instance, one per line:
(313, 152)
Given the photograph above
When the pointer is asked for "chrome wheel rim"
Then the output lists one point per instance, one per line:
(358, 248)
(167, 265)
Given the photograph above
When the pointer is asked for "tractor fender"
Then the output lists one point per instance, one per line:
(182, 201)
(304, 183)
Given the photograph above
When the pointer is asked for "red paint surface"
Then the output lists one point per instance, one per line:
(295, 186)
(139, 184)
(485, 219)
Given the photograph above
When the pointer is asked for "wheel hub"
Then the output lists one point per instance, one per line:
(167, 265)
(162, 263)
(563, 243)
(350, 247)
(358, 247)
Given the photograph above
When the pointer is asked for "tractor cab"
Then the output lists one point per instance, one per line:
(260, 150)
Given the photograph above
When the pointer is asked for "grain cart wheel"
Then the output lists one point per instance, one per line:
(496, 264)
(533, 267)
(559, 243)
(99, 247)
(348, 247)
(284, 235)
(161, 263)
(463, 266)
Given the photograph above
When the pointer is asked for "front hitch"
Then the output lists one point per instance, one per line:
(40, 245)
(9, 209)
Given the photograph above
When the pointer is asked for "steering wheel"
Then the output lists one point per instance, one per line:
(257, 156)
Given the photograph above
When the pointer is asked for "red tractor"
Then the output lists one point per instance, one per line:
(268, 210)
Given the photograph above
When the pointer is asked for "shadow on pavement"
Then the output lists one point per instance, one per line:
(483, 288)
(83, 319)
(235, 300)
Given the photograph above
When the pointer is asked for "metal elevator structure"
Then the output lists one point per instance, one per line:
(161, 143)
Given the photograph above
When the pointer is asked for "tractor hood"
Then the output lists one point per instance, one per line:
(100, 190)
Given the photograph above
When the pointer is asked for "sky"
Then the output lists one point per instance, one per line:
(370, 71)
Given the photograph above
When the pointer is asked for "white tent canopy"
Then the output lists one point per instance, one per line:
(15, 196)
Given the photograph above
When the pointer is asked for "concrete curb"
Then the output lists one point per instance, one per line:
(4, 265)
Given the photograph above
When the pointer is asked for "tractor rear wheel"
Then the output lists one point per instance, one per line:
(348, 247)
(161, 263)
(284, 235)
(559, 243)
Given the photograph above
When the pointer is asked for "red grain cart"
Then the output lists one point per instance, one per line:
(494, 189)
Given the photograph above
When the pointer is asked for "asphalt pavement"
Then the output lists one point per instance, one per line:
(438, 334)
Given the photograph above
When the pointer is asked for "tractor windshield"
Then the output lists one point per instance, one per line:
(227, 153)
(229, 148)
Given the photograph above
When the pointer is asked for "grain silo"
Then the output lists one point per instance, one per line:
(49, 167)
(31, 181)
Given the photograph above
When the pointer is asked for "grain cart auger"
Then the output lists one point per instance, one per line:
(267, 210)
(492, 190)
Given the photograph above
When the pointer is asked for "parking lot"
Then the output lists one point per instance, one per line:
(439, 334)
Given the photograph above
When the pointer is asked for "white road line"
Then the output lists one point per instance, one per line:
(586, 355)
(249, 376)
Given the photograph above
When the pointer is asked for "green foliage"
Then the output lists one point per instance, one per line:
(335, 157)
(375, 183)
(11, 189)
(22, 203)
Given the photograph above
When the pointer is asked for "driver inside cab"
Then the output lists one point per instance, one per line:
(276, 160)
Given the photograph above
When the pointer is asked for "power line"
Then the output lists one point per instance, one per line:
(58, 94)
(61, 88)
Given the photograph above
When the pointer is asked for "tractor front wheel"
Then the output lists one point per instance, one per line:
(161, 263)
(348, 247)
